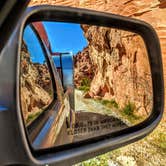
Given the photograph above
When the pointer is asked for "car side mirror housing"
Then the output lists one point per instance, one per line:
(86, 83)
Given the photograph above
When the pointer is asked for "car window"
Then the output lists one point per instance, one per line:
(36, 84)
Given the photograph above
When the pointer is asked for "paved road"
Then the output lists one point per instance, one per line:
(92, 119)
(88, 125)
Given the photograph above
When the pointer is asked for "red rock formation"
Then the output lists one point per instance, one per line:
(83, 67)
(36, 86)
(121, 71)
(151, 11)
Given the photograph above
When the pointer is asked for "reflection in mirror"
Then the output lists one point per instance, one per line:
(102, 79)
(36, 84)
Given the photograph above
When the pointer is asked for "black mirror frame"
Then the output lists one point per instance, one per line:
(69, 154)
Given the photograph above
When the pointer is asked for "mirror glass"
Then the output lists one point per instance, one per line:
(81, 81)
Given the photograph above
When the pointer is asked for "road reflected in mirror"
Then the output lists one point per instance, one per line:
(81, 81)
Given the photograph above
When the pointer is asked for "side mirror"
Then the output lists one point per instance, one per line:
(87, 82)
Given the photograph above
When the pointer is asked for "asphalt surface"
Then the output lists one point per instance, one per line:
(89, 125)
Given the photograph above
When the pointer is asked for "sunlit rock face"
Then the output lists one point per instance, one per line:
(35, 86)
(83, 67)
(120, 69)
(151, 11)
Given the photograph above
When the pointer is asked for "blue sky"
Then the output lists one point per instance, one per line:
(34, 48)
(65, 37)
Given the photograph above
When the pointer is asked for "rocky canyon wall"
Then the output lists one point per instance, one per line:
(36, 86)
(151, 11)
(116, 64)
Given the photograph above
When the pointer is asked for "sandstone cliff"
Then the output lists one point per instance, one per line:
(151, 11)
(83, 67)
(35, 87)
(118, 65)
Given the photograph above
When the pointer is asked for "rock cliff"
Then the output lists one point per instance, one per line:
(151, 11)
(35, 87)
(119, 68)
(83, 67)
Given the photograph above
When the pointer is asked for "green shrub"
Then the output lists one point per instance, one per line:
(85, 82)
(32, 117)
(110, 103)
(114, 103)
(84, 88)
(129, 109)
